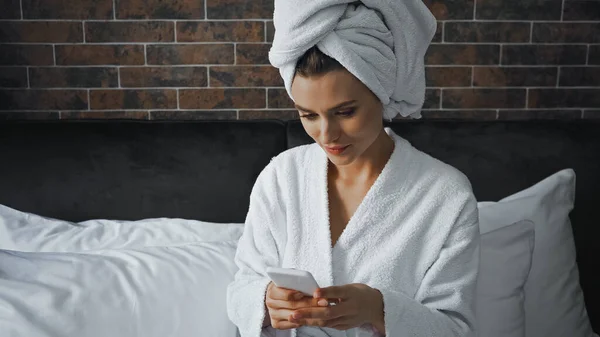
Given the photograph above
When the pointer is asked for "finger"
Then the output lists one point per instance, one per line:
(281, 315)
(284, 294)
(283, 325)
(312, 322)
(324, 302)
(306, 302)
(277, 304)
(325, 313)
(331, 292)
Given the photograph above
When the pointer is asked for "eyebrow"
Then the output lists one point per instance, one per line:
(331, 109)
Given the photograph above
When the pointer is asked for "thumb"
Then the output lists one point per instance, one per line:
(331, 292)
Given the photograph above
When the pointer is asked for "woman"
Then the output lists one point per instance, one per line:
(390, 233)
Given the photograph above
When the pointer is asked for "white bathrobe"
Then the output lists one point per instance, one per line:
(414, 237)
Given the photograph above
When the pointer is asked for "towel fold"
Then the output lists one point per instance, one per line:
(381, 42)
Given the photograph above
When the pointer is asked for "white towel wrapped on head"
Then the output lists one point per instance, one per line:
(381, 42)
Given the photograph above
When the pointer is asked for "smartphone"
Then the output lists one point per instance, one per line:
(295, 279)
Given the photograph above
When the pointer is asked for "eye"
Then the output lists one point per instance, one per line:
(309, 116)
(346, 113)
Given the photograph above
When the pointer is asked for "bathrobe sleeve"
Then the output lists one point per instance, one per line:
(444, 303)
(257, 249)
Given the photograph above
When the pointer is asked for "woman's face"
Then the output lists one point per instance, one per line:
(339, 113)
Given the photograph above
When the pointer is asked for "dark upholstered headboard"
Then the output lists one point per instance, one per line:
(133, 170)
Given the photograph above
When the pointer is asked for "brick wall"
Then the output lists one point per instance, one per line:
(189, 59)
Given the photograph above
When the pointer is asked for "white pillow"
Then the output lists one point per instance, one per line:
(554, 304)
(553, 300)
(505, 260)
(143, 292)
(33, 233)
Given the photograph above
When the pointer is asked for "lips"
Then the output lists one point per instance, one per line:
(336, 149)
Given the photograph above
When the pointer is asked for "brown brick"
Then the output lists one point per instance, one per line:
(240, 9)
(222, 98)
(23, 55)
(190, 54)
(99, 55)
(451, 10)
(483, 98)
(566, 32)
(150, 31)
(194, 115)
(487, 32)
(564, 98)
(29, 31)
(514, 76)
(133, 99)
(225, 31)
(439, 32)
(582, 10)
(486, 115)
(104, 115)
(164, 77)
(73, 77)
(579, 77)
(253, 53)
(43, 99)
(285, 115)
(28, 115)
(13, 77)
(448, 76)
(11, 10)
(538, 114)
(245, 76)
(270, 31)
(543, 54)
(432, 99)
(279, 99)
(591, 114)
(462, 54)
(68, 9)
(593, 58)
(519, 10)
(160, 9)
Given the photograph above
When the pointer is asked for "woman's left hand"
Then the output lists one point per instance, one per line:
(357, 304)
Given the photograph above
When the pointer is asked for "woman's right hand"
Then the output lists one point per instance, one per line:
(282, 302)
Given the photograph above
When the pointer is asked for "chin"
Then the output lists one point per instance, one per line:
(340, 161)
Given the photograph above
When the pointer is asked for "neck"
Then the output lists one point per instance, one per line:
(369, 165)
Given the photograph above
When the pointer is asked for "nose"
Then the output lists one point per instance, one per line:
(329, 131)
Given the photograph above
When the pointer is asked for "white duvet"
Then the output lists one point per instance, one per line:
(154, 277)
(33, 233)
